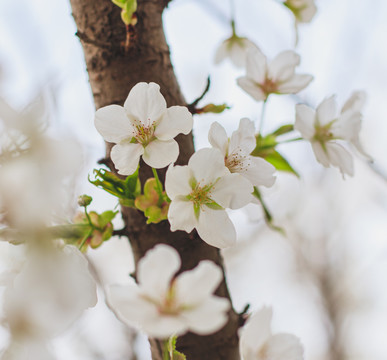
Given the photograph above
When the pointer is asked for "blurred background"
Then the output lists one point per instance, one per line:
(326, 278)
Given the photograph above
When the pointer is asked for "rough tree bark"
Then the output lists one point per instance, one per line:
(113, 72)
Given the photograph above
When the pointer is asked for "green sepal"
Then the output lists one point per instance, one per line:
(214, 206)
(267, 213)
(120, 3)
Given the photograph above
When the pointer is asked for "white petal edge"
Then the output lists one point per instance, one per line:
(113, 124)
(145, 102)
(159, 154)
(181, 215)
(156, 270)
(216, 228)
(217, 137)
(177, 181)
(176, 120)
(194, 286)
(232, 191)
(126, 157)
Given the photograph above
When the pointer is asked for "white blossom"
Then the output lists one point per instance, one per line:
(258, 343)
(48, 293)
(235, 48)
(163, 304)
(236, 152)
(200, 192)
(275, 77)
(328, 129)
(145, 127)
(303, 10)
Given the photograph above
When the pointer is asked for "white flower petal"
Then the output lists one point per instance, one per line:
(255, 332)
(207, 165)
(294, 84)
(239, 50)
(216, 228)
(177, 181)
(355, 102)
(260, 172)
(244, 137)
(145, 102)
(156, 270)
(252, 88)
(176, 120)
(256, 66)
(209, 317)
(232, 191)
(113, 124)
(194, 286)
(217, 137)
(347, 126)
(129, 305)
(305, 117)
(320, 154)
(282, 67)
(164, 326)
(340, 157)
(181, 215)
(327, 111)
(126, 157)
(284, 346)
(159, 154)
(222, 51)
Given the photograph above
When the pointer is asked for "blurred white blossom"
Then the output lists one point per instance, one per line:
(44, 295)
(328, 129)
(236, 152)
(163, 305)
(144, 126)
(200, 192)
(235, 48)
(275, 77)
(258, 343)
(303, 10)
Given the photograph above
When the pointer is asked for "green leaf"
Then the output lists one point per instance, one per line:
(132, 185)
(284, 129)
(280, 163)
(267, 213)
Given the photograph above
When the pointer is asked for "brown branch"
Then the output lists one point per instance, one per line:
(113, 72)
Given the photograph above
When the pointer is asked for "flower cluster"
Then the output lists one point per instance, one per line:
(163, 304)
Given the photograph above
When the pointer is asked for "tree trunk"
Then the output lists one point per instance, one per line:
(113, 72)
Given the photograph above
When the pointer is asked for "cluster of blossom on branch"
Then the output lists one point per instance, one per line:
(226, 176)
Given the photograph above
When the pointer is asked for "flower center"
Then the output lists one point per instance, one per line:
(237, 161)
(323, 133)
(269, 86)
(200, 195)
(169, 306)
(144, 131)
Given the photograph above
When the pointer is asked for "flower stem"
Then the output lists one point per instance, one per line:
(291, 140)
(232, 11)
(262, 116)
(88, 218)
